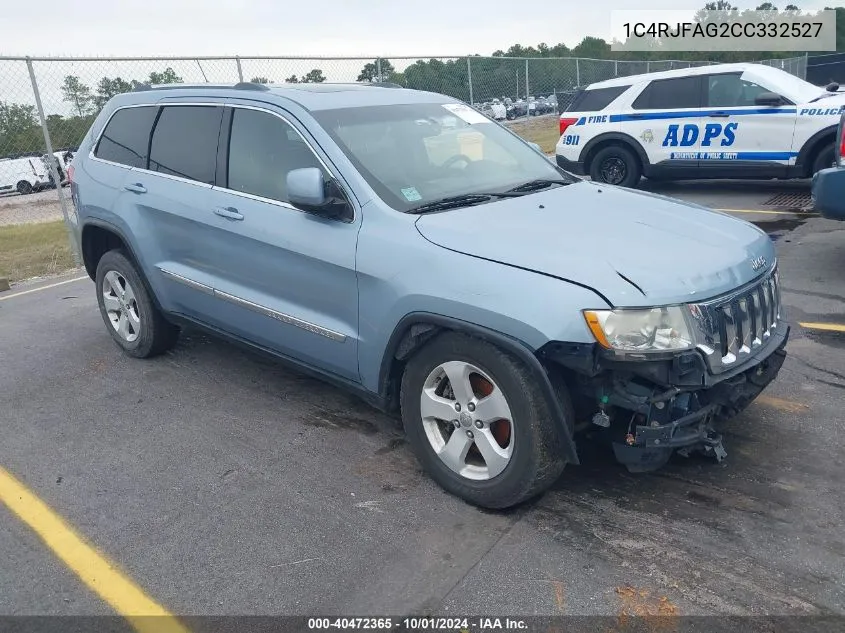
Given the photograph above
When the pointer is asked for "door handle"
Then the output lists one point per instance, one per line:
(230, 213)
(136, 187)
(719, 115)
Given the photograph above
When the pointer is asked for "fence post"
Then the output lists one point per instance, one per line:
(527, 111)
(648, 67)
(577, 73)
(240, 70)
(378, 68)
(469, 77)
(616, 68)
(52, 163)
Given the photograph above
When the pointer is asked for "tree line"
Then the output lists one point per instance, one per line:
(550, 69)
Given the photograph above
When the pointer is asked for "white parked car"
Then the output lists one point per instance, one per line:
(721, 121)
(23, 175)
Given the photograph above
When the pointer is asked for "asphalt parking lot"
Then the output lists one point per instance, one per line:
(220, 482)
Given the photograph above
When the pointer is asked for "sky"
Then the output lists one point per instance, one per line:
(324, 28)
(296, 27)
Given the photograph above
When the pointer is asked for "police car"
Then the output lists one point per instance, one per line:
(719, 121)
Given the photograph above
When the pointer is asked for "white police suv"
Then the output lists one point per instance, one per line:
(720, 121)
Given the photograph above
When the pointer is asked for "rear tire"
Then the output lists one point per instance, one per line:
(24, 188)
(130, 315)
(502, 404)
(824, 159)
(616, 165)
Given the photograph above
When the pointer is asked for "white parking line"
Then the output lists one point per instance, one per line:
(58, 283)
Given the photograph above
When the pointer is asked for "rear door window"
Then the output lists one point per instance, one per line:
(670, 94)
(184, 142)
(127, 136)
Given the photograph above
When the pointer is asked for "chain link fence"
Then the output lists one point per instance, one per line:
(53, 101)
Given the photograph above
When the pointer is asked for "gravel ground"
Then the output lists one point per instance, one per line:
(36, 207)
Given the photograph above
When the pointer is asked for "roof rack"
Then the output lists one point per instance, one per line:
(243, 85)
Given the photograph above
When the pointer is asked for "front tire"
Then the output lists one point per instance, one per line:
(131, 317)
(616, 165)
(24, 187)
(478, 423)
(824, 159)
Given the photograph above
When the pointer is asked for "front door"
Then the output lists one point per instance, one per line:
(743, 138)
(284, 278)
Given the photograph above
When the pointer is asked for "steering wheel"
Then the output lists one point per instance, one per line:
(454, 159)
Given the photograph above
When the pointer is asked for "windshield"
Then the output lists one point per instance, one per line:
(413, 154)
(788, 85)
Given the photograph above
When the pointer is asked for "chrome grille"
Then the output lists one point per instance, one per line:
(734, 327)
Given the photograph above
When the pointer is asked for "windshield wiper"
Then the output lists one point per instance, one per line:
(824, 96)
(534, 185)
(465, 200)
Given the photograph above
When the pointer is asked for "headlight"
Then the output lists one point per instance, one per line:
(635, 330)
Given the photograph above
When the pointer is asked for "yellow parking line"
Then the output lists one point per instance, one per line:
(99, 574)
(768, 212)
(790, 406)
(828, 327)
(40, 288)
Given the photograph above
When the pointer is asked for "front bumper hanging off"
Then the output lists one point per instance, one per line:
(649, 445)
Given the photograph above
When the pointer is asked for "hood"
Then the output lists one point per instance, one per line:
(829, 105)
(632, 247)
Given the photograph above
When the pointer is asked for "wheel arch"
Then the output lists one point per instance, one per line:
(99, 237)
(613, 138)
(417, 328)
(808, 152)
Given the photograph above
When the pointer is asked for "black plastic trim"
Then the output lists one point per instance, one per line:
(572, 166)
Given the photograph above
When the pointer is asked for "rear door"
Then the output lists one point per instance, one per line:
(172, 205)
(123, 145)
(741, 137)
(665, 118)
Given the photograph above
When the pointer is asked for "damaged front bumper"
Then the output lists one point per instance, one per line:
(652, 408)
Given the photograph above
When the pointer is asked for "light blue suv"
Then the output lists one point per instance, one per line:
(403, 245)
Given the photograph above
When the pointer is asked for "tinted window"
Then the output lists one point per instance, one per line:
(185, 142)
(262, 150)
(670, 94)
(416, 153)
(725, 91)
(595, 100)
(127, 136)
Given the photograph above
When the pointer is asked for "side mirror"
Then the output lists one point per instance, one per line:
(309, 191)
(306, 188)
(768, 98)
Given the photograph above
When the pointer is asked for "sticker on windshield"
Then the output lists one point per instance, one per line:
(466, 113)
(411, 194)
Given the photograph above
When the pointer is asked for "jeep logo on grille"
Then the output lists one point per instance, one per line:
(757, 263)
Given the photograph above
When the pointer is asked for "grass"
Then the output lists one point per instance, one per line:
(34, 250)
(542, 130)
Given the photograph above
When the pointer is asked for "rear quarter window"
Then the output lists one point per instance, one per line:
(597, 99)
(127, 136)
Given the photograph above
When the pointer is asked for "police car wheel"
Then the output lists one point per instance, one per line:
(615, 165)
(824, 159)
